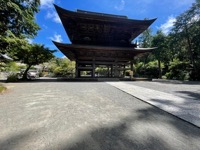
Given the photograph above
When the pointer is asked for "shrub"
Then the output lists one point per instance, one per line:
(12, 77)
(164, 77)
(150, 70)
(178, 70)
(43, 74)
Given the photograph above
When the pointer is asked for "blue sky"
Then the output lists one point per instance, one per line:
(51, 28)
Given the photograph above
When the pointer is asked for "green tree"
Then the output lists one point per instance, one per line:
(162, 53)
(62, 67)
(12, 66)
(17, 22)
(145, 41)
(145, 38)
(34, 54)
(186, 33)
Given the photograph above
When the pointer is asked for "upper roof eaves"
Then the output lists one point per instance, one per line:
(100, 15)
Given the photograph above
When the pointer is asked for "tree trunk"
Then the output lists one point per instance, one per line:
(194, 69)
(26, 72)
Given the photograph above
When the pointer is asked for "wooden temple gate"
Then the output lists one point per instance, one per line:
(101, 40)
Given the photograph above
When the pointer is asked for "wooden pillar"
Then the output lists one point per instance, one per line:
(108, 70)
(124, 71)
(112, 70)
(131, 76)
(115, 68)
(131, 65)
(77, 71)
(93, 68)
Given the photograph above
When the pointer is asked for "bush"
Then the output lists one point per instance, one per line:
(61, 67)
(150, 70)
(178, 70)
(43, 74)
(164, 77)
(12, 78)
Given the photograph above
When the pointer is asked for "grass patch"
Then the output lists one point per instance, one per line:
(2, 88)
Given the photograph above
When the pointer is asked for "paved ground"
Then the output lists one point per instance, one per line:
(181, 100)
(87, 116)
(188, 89)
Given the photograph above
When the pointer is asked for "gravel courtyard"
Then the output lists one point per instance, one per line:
(87, 116)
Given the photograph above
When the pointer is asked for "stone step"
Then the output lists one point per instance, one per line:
(108, 79)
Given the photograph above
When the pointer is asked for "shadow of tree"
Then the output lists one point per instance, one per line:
(178, 82)
(186, 110)
(15, 140)
(149, 129)
(161, 116)
(145, 128)
(190, 95)
(114, 138)
(152, 129)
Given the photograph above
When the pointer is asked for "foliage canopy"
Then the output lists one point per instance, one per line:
(179, 50)
(17, 23)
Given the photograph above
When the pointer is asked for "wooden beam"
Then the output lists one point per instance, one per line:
(103, 62)
(85, 68)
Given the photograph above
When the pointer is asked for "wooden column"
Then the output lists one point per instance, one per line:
(124, 71)
(131, 76)
(112, 70)
(131, 65)
(93, 68)
(77, 71)
(115, 68)
(108, 70)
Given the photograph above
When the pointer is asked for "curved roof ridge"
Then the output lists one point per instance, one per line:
(62, 10)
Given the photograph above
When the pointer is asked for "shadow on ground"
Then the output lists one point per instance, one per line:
(14, 141)
(190, 95)
(143, 129)
(152, 129)
(177, 82)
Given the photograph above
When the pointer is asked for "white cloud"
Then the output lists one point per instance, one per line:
(168, 25)
(30, 41)
(195, 18)
(121, 5)
(57, 38)
(53, 15)
(46, 3)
